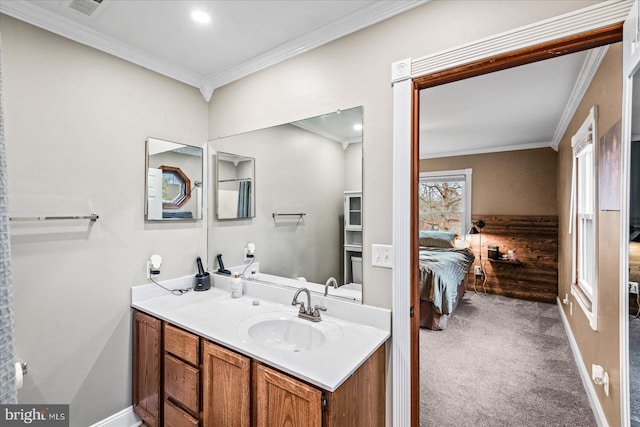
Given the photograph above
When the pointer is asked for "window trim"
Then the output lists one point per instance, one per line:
(586, 295)
(466, 202)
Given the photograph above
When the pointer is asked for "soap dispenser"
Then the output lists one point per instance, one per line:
(236, 286)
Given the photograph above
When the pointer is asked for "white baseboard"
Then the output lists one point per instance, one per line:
(124, 418)
(596, 407)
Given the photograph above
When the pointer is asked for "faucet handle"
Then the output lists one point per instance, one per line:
(302, 307)
(317, 308)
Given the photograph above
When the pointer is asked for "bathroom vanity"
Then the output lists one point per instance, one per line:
(206, 359)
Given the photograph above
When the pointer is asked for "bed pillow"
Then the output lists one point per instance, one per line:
(437, 239)
(463, 244)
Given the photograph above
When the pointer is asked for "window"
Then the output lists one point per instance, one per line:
(583, 220)
(445, 201)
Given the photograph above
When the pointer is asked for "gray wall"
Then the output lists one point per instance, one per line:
(76, 124)
(296, 171)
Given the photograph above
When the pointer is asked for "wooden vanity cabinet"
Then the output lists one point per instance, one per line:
(183, 380)
(147, 339)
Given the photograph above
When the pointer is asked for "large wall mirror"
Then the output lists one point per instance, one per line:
(306, 174)
(174, 181)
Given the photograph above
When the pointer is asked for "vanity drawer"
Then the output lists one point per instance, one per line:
(181, 383)
(176, 417)
(182, 344)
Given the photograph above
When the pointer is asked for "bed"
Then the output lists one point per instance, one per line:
(443, 266)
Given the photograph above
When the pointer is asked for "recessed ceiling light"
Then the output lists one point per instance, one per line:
(200, 16)
(357, 126)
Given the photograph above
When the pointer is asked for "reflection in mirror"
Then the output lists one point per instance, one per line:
(634, 257)
(305, 173)
(235, 194)
(174, 181)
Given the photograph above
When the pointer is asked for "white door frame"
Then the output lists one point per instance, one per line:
(576, 22)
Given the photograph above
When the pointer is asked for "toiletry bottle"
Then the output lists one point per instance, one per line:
(253, 275)
(236, 286)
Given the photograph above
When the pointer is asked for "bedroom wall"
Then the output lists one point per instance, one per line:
(522, 182)
(76, 124)
(515, 193)
(601, 346)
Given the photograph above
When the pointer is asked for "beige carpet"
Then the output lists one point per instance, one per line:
(501, 362)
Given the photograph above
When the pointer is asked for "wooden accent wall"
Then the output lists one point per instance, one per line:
(535, 240)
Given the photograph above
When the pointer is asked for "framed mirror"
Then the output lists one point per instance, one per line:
(173, 181)
(307, 177)
(235, 186)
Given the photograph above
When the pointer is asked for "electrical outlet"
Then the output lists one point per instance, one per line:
(633, 288)
(477, 270)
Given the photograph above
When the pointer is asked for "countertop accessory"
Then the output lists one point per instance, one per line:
(203, 280)
(221, 268)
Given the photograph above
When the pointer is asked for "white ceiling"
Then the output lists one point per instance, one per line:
(518, 108)
(242, 37)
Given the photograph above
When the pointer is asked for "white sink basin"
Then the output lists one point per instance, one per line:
(287, 332)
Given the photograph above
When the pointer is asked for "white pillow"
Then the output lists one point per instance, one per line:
(462, 244)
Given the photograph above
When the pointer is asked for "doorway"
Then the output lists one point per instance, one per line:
(576, 43)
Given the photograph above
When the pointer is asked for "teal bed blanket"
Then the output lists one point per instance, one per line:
(441, 271)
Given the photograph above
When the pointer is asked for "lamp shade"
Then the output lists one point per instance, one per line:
(473, 230)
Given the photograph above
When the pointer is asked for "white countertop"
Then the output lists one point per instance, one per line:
(214, 315)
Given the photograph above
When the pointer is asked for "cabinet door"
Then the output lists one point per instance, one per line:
(226, 380)
(282, 401)
(146, 368)
(353, 211)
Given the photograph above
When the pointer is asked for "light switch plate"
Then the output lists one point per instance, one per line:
(382, 256)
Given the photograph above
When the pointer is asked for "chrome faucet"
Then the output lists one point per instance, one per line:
(307, 313)
(326, 285)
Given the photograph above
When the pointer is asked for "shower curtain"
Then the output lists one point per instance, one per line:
(244, 199)
(7, 370)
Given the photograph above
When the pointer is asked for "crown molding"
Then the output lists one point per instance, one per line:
(487, 150)
(70, 29)
(587, 73)
(65, 27)
(376, 12)
(311, 127)
(600, 15)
